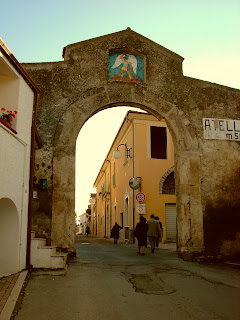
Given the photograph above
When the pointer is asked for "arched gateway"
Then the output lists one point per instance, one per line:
(91, 79)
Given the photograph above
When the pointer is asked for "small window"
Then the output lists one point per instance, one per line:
(115, 213)
(114, 175)
(125, 157)
(169, 184)
(103, 189)
(121, 219)
(158, 142)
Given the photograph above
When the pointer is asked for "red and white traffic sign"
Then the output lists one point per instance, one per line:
(140, 197)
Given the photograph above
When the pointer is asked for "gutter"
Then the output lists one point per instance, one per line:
(30, 197)
(17, 65)
(110, 194)
(133, 171)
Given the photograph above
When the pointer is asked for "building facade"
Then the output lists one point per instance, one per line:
(141, 181)
(18, 96)
(93, 218)
(83, 222)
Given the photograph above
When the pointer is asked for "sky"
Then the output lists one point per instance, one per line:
(96, 148)
(205, 33)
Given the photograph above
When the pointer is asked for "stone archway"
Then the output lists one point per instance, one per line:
(75, 89)
(189, 206)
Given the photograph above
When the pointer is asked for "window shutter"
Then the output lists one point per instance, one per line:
(158, 142)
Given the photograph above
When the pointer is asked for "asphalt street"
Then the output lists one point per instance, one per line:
(113, 282)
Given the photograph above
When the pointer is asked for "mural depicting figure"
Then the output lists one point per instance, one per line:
(125, 67)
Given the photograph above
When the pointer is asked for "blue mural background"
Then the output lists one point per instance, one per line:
(126, 67)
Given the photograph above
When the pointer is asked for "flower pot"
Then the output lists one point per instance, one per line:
(6, 123)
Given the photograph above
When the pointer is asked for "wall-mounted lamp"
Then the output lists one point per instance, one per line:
(117, 153)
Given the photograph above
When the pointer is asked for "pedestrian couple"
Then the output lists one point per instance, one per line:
(150, 229)
(154, 232)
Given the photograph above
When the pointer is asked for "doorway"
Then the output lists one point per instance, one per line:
(9, 237)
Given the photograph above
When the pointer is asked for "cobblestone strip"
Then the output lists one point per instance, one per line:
(6, 287)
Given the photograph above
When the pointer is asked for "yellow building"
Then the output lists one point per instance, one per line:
(141, 181)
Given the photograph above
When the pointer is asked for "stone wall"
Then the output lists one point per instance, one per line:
(42, 203)
(207, 171)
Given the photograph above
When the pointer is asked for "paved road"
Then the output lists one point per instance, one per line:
(112, 282)
(103, 250)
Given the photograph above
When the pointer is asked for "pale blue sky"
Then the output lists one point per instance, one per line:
(206, 33)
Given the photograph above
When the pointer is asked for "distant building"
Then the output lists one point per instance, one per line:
(141, 182)
(83, 222)
(93, 206)
(18, 100)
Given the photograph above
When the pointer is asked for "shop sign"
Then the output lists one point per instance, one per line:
(221, 129)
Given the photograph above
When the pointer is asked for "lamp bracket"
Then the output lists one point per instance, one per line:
(128, 151)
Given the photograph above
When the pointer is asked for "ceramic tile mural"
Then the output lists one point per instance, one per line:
(125, 67)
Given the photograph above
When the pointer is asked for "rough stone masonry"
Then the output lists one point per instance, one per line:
(207, 171)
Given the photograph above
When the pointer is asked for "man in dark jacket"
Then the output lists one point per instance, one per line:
(141, 234)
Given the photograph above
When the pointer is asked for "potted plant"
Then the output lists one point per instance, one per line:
(7, 117)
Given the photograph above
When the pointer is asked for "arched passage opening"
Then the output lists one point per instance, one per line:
(151, 153)
(93, 144)
(9, 237)
(187, 170)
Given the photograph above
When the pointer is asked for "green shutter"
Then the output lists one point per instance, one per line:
(114, 185)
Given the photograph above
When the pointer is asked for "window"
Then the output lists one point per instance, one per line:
(169, 184)
(121, 219)
(108, 188)
(158, 142)
(114, 175)
(125, 157)
(126, 212)
(115, 213)
(103, 190)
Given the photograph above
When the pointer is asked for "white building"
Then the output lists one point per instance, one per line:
(83, 222)
(93, 222)
(17, 93)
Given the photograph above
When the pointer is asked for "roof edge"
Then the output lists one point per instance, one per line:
(17, 65)
(116, 136)
(128, 30)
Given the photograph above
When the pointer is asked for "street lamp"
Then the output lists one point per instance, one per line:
(117, 153)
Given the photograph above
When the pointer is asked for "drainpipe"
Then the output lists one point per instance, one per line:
(133, 177)
(105, 215)
(96, 213)
(31, 175)
(110, 194)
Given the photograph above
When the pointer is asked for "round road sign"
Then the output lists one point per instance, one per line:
(140, 197)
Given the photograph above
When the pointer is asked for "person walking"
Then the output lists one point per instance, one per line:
(153, 231)
(159, 237)
(87, 230)
(141, 234)
(115, 232)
